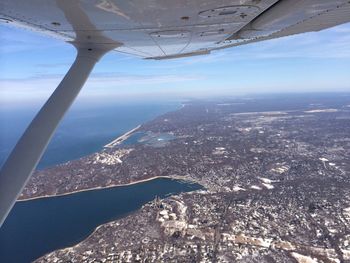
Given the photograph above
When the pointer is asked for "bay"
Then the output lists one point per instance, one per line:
(36, 227)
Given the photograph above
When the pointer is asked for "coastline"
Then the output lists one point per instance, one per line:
(122, 138)
(175, 177)
(107, 187)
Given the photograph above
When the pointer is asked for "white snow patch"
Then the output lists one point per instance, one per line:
(346, 254)
(111, 158)
(237, 188)
(266, 180)
(268, 186)
(321, 110)
(220, 151)
(303, 259)
(163, 212)
(255, 187)
(346, 212)
(281, 169)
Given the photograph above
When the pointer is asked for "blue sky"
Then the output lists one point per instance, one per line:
(32, 65)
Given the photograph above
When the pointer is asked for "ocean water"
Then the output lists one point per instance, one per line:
(36, 227)
(84, 130)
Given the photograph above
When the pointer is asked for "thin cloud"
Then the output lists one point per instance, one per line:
(43, 85)
(52, 65)
(196, 75)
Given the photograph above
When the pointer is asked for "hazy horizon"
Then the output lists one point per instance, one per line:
(32, 66)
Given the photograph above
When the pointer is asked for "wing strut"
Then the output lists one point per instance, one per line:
(25, 156)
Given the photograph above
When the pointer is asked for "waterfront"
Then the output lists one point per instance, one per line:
(84, 130)
(39, 226)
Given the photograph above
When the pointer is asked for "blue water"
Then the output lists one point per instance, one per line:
(134, 138)
(37, 227)
(84, 130)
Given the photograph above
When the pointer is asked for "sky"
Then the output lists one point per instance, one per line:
(32, 65)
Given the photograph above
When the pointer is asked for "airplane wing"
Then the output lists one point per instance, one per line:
(153, 29)
(163, 29)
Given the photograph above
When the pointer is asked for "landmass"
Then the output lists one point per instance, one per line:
(276, 178)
